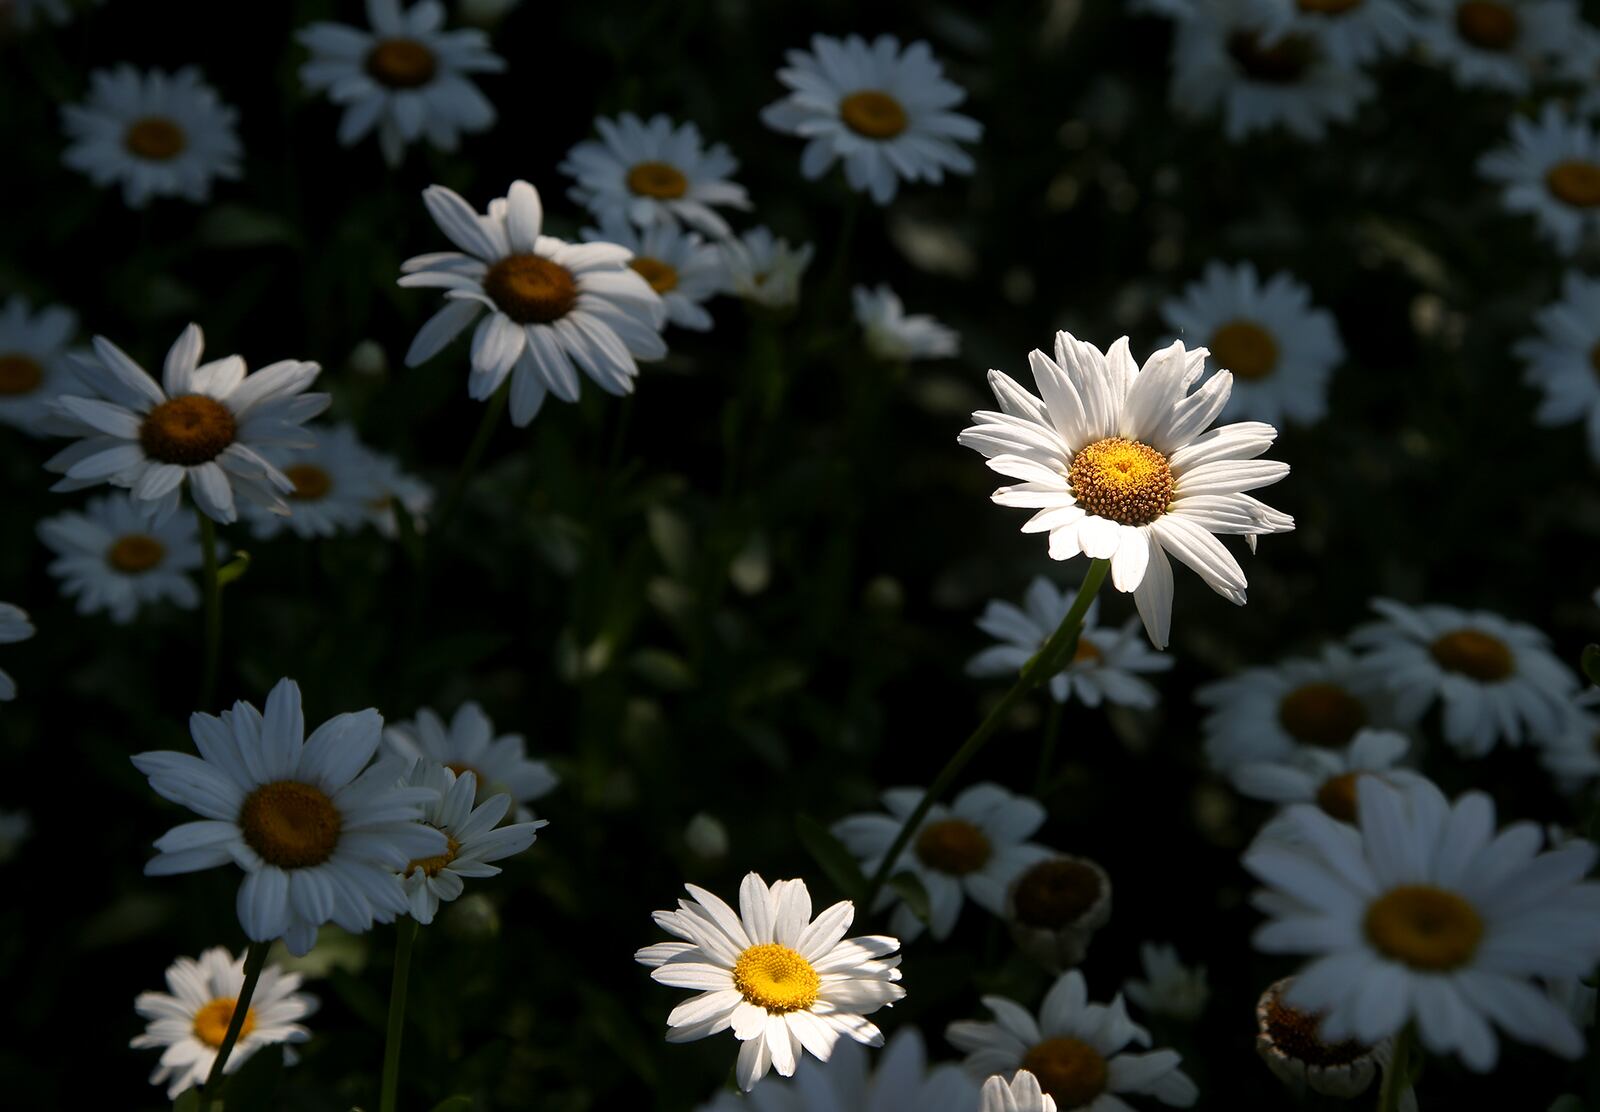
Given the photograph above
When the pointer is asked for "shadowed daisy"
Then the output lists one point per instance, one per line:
(1551, 171)
(1055, 906)
(765, 270)
(1291, 1043)
(1021, 1094)
(680, 266)
(1326, 777)
(1349, 32)
(14, 627)
(894, 336)
(335, 486)
(1168, 986)
(468, 743)
(1498, 44)
(35, 367)
(110, 558)
(1563, 360)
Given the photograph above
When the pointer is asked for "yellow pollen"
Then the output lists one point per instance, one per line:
(19, 374)
(1337, 796)
(1575, 182)
(530, 289)
(1424, 927)
(433, 865)
(1281, 63)
(155, 138)
(1328, 7)
(211, 1021)
(290, 824)
(310, 482)
(1124, 480)
(660, 180)
(1321, 714)
(776, 978)
(1475, 654)
(135, 553)
(873, 113)
(1246, 349)
(1070, 1070)
(953, 846)
(188, 430)
(1486, 24)
(401, 64)
(1054, 893)
(1299, 1036)
(663, 277)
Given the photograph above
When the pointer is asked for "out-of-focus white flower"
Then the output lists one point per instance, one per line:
(110, 558)
(1499, 44)
(893, 335)
(1551, 171)
(1563, 360)
(1168, 987)
(35, 367)
(765, 270)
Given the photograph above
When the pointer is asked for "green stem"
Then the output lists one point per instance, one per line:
(1045, 663)
(1047, 751)
(1397, 1077)
(213, 605)
(255, 959)
(469, 463)
(405, 936)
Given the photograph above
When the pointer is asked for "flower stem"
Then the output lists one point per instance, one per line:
(405, 936)
(1045, 663)
(469, 463)
(255, 959)
(1397, 1076)
(213, 605)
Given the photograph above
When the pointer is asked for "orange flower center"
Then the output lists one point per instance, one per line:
(401, 64)
(530, 289)
(1484, 658)
(953, 846)
(135, 553)
(290, 824)
(1575, 182)
(1424, 927)
(660, 180)
(1056, 892)
(19, 374)
(1246, 349)
(1070, 1070)
(1486, 24)
(1281, 63)
(1337, 796)
(155, 138)
(211, 1021)
(1321, 714)
(873, 113)
(433, 865)
(188, 430)
(310, 482)
(662, 277)
(1299, 1036)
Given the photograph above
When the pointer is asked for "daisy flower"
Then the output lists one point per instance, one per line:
(1291, 1043)
(469, 744)
(14, 627)
(654, 173)
(1168, 987)
(885, 112)
(158, 134)
(335, 486)
(188, 1022)
(109, 557)
(1563, 360)
(1105, 668)
(554, 308)
(973, 848)
(394, 487)
(680, 266)
(1055, 906)
(1498, 44)
(203, 427)
(35, 367)
(1572, 755)
(473, 837)
(896, 337)
(1117, 463)
(1328, 777)
(1021, 1094)
(1551, 170)
(782, 982)
(1349, 32)
(1422, 914)
(763, 269)
(319, 840)
(1495, 680)
(1076, 1049)
(406, 76)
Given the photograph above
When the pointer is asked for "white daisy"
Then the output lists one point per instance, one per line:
(1105, 668)
(1291, 1043)
(395, 487)
(1021, 1094)
(1422, 914)
(203, 428)
(1075, 1049)
(885, 112)
(319, 840)
(553, 307)
(188, 1022)
(1495, 680)
(1227, 56)
(469, 744)
(763, 269)
(109, 557)
(653, 173)
(405, 76)
(1563, 360)
(1498, 44)
(1328, 777)
(1055, 906)
(782, 982)
(1281, 350)
(973, 848)
(1572, 755)
(1118, 465)
(335, 487)
(35, 367)
(1168, 987)
(14, 627)
(1349, 32)
(680, 266)
(1551, 170)
(894, 336)
(158, 134)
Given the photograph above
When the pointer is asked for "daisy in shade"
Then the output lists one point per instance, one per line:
(1349, 32)
(1105, 668)
(1076, 1049)
(1495, 680)
(14, 627)
(885, 112)
(1563, 360)
(157, 134)
(335, 484)
(1423, 914)
(1168, 986)
(896, 337)
(653, 173)
(188, 1022)
(680, 266)
(1281, 350)
(34, 365)
(1118, 465)
(1291, 1043)
(110, 558)
(1551, 170)
(1572, 755)
(783, 983)
(553, 308)
(1055, 906)
(468, 743)
(973, 848)
(1498, 44)
(396, 488)
(319, 839)
(203, 428)
(1328, 778)
(1020, 1094)
(765, 270)
(406, 76)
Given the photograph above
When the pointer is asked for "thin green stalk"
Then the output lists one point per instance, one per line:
(255, 959)
(213, 604)
(469, 463)
(1045, 663)
(405, 936)
(1397, 1077)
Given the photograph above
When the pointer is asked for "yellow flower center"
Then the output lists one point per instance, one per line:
(211, 1021)
(1472, 653)
(188, 431)
(135, 553)
(1424, 927)
(1321, 714)
(1070, 1070)
(1575, 182)
(1486, 24)
(1337, 796)
(155, 138)
(433, 865)
(776, 978)
(1328, 7)
(873, 113)
(290, 824)
(19, 374)
(1299, 1036)
(662, 277)
(1246, 349)
(401, 64)
(660, 180)
(953, 846)
(1281, 63)
(531, 289)
(1054, 893)
(310, 482)
(1124, 480)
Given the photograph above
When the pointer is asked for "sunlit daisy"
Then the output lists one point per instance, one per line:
(1168, 986)
(1291, 1043)
(109, 557)
(14, 627)
(973, 848)
(188, 1022)
(34, 364)
(468, 743)
(319, 839)
(1349, 32)
(157, 134)
(1118, 464)
(1076, 1049)
(1563, 360)
(405, 76)
(896, 337)
(396, 489)
(335, 487)
(1328, 777)
(1055, 906)
(885, 112)
(554, 308)
(1551, 170)
(780, 981)
(680, 266)
(1497, 44)
(202, 428)
(764, 269)
(1021, 1094)
(654, 172)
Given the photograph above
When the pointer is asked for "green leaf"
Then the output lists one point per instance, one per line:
(1591, 663)
(836, 862)
(913, 893)
(234, 568)
(459, 1103)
